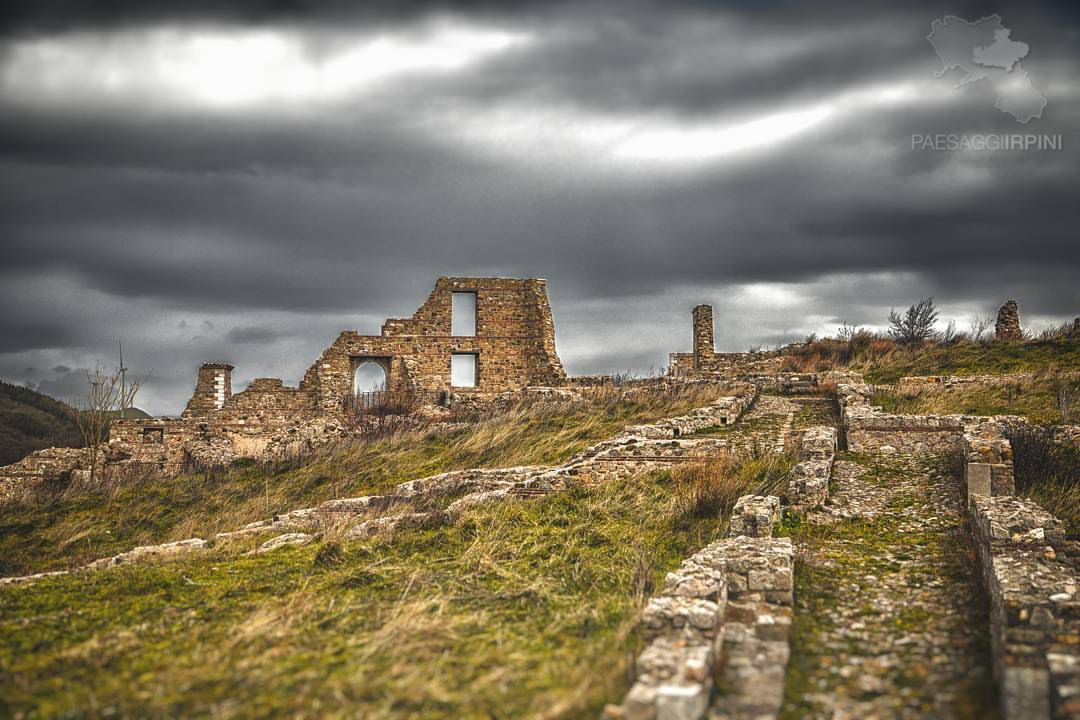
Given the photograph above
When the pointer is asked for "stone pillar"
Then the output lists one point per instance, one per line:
(1007, 326)
(213, 386)
(704, 345)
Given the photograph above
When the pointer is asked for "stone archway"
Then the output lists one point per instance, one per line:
(371, 375)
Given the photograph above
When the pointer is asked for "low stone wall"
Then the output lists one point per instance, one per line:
(922, 383)
(754, 516)
(869, 429)
(928, 383)
(988, 461)
(637, 449)
(757, 627)
(1034, 592)
(43, 467)
(808, 484)
(729, 603)
(723, 411)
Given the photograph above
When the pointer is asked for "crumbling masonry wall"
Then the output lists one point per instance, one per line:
(705, 362)
(514, 345)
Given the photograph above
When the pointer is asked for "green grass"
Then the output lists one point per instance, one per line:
(522, 609)
(1048, 473)
(972, 359)
(843, 560)
(73, 528)
(1036, 401)
(817, 411)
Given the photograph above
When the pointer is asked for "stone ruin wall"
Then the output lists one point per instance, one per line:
(705, 362)
(514, 345)
(1007, 326)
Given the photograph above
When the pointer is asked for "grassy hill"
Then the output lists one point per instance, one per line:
(522, 608)
(31, 421)
(72, 529)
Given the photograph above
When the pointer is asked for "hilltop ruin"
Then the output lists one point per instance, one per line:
(474, 342)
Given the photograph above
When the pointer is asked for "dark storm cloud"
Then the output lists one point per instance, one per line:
(69, 386)
(287, 219)
(30, 16)
(251, 334)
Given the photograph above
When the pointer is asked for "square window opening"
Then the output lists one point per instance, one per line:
(463, 370)
(463, 314)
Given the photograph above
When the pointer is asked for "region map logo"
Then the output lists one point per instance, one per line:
(986, 50)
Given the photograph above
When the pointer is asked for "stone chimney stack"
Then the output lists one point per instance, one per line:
(704, 343)
(1007, 326)
(213, 386)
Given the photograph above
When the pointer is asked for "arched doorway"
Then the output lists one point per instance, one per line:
(370, 377)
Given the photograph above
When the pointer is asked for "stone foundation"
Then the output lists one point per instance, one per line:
(1034, 594)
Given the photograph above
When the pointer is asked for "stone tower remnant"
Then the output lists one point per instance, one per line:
(1007, 326)
(213, 386)
(704, 342)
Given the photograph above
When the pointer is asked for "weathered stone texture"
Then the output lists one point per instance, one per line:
(514, 344)
(1035, 606)
(1007, 326)
(704, 342)
(808, 484)
(755, 516)
(213, 386)
(733, 595)
(38, 469)
(757, 627)
(988, 463)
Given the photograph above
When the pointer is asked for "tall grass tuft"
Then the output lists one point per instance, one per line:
(1049, 473)
(710, 489)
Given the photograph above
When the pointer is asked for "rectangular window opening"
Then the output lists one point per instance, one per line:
(463, 314)
(463, 370)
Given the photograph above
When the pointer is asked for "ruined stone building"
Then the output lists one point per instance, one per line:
(705, 362)
(472, 340)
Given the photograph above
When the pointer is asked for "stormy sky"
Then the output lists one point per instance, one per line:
(242, 181)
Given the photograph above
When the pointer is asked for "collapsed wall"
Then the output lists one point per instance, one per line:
(705, 362)
(1030, 570)
(474, 341)
(508, 344)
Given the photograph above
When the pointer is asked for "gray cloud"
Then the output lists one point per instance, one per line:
(251, 334)
(139, 218)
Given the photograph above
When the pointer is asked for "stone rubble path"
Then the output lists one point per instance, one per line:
(889, 619)
(766, 426)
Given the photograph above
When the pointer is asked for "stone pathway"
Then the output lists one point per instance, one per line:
(889, 619)
(766, 427)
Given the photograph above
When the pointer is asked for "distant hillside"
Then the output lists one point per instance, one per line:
(31, 421)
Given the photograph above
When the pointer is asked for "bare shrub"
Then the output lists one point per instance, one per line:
(107, 396)
(980, 329)
(952, 336)
(916, 325)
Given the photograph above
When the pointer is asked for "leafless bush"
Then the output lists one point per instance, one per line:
(979, 329)
(1059, 332)
(1065, 391)
(952, 336)
(107, 396)
(916, 325)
